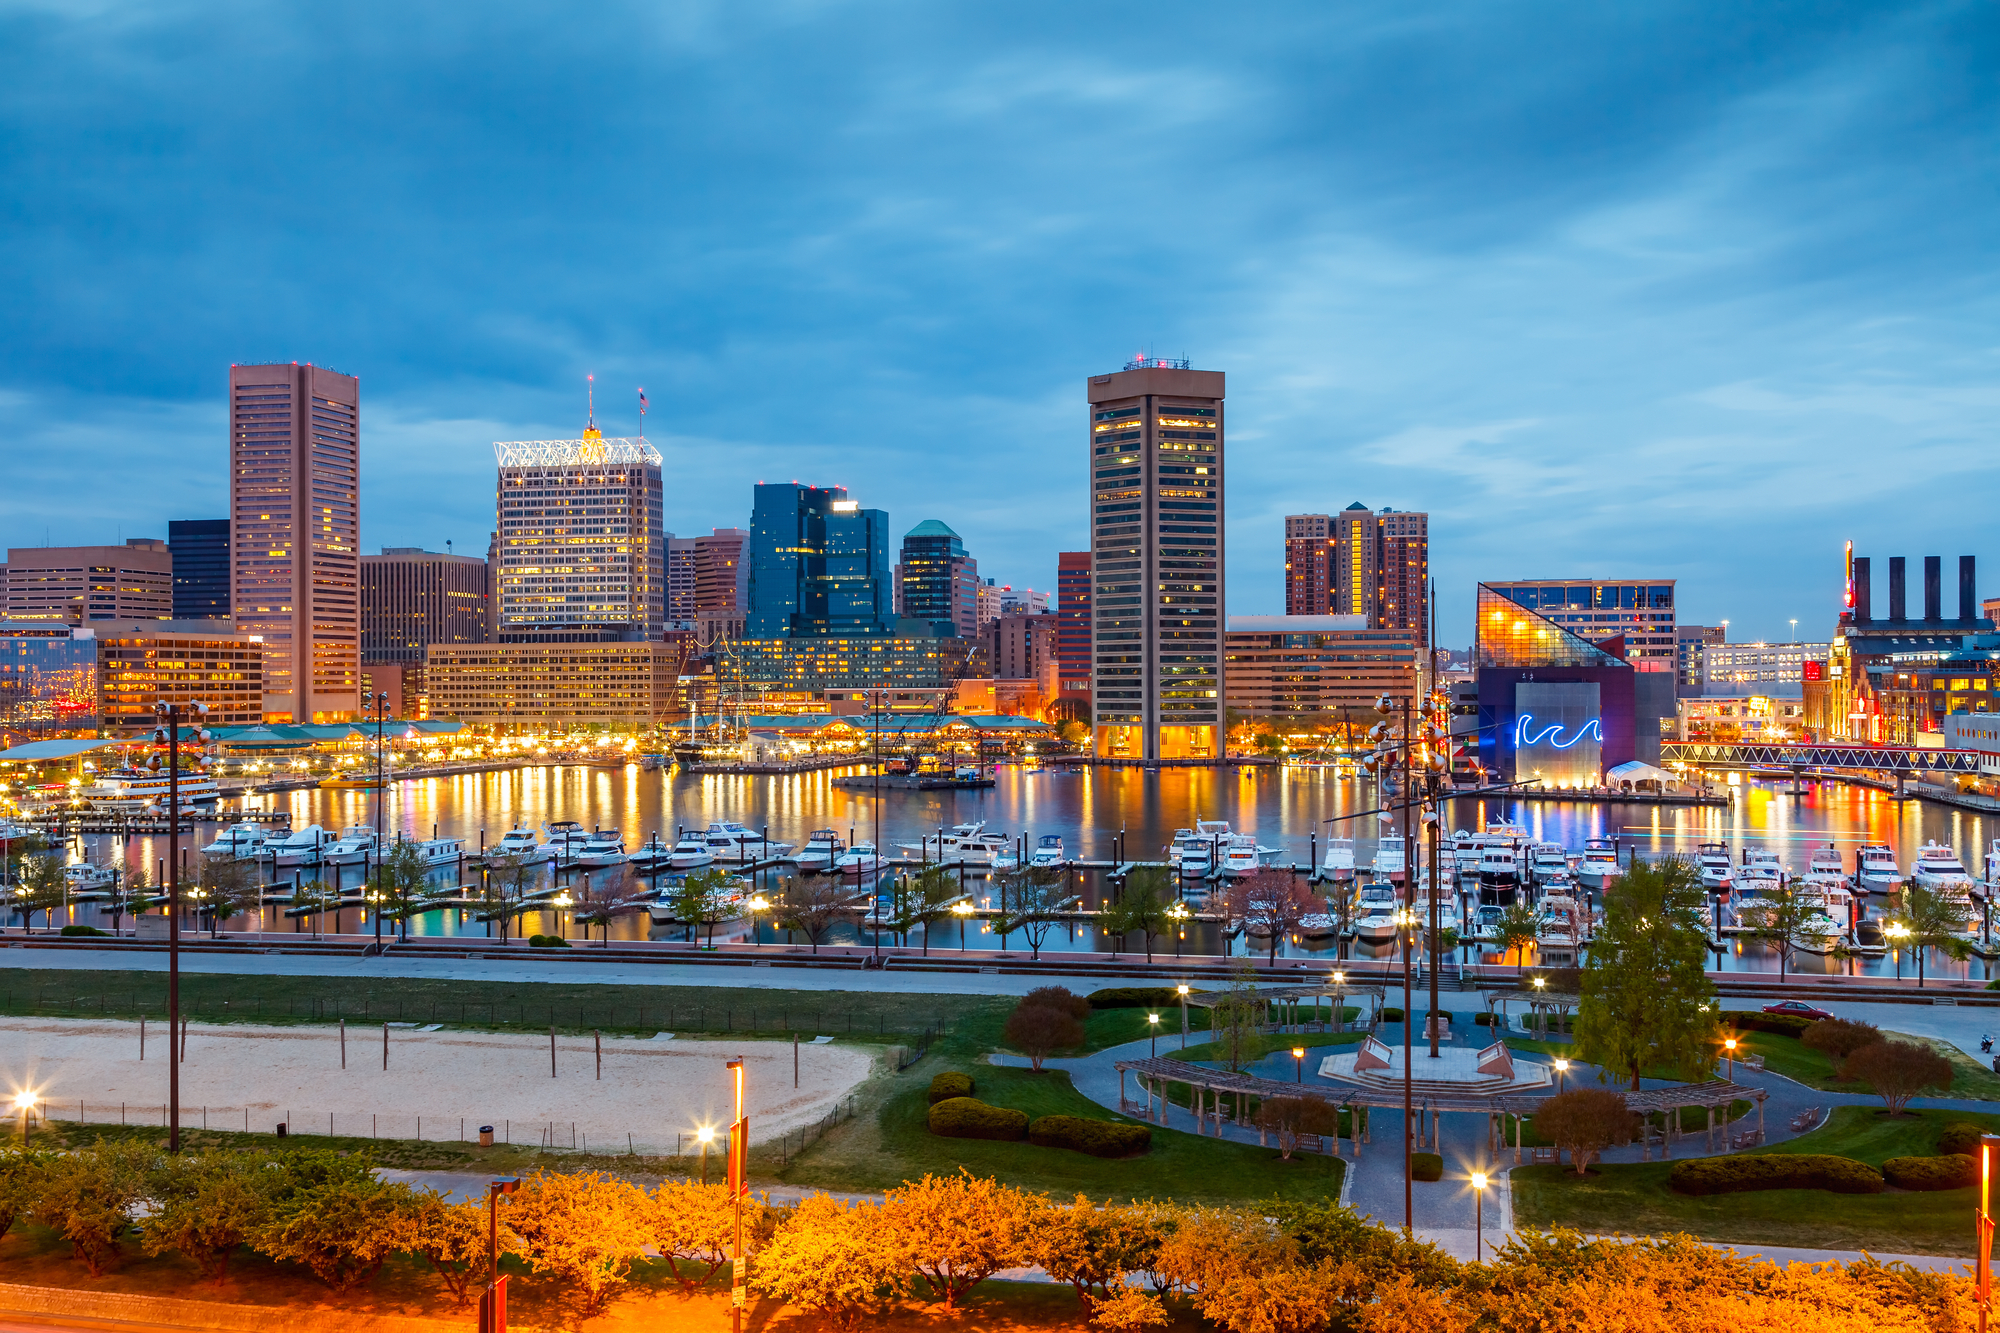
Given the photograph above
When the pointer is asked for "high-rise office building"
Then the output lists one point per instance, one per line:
(722, 583)
(819, 565)
(294, 536)
(411, 597)
(680, 582)
(77, 584)
(1360, 562)
(200, 548)
(1155, 450)
(582, 559)
(1073, 617)
(1639, 615)
(936, 580)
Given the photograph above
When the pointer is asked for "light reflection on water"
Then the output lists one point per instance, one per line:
(1090, 808)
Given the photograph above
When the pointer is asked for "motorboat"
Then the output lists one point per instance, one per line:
(1825, 866)
(1599, 864)
(1499, 873)
(440, 851)
(84, 880)
(1486, 922)
(993, 849)
(1195, 862)
(521, 842)
(1876, 870)
(1375, 909)
(730, 840)
(1211, 828)
(822, 849)
(1560, 921)
(604, 847)
(1763, 865)
(1183, 839)
(355, 845)
(1718, 872)
(1318, 926)
(1005, 858)
(1338, 863)
(655, 854)
(302, 847)
(691, 851)
(1465, 854)
(945, 846)
(1504, 830)
(241, 842)
(1240, 855)
(1548, 861)
(1830, 907)
(1390, 863)
(858, 860)
(1048, 851)
(566, 839)
(1937, 867)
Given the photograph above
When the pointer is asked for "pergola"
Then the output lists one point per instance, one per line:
(1541, 1003)
(1667, 1102)
(1284, 1005)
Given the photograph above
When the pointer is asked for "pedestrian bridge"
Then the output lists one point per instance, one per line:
(1799, 758)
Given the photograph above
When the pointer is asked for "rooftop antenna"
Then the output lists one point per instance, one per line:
(590, 399)
(642, 411)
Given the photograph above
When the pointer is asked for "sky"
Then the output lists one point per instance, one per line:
(1657, 290)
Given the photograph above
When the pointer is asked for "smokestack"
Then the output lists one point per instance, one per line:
(1968, 593)
(1861, 605)
(1933, 588)
(1897, 606)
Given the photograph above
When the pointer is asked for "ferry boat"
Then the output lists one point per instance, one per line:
(240, 842)
(1548, 861)
(521, 842)
(604, 847)
(691, 851)
(1390, 863)
(858, 860)
(1048, 851)
(1718, 873)
(1876, 870)
(1599, 864)
(655, 854)
(301, 848)
(1937, 867)
(355, 845)
(145, 788)
(1338, 863)
(823, 848)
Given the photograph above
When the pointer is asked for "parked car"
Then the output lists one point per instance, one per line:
(1796, 1009)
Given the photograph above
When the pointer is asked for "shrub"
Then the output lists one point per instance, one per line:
(1960, 1137)
(547, 942)
(950, 1084)
(1426, 1166)
(1780, 1025)
(1039, 1031)
(584, 1230)
(1774, 1171)
(970, 1118)
(81, 930)
(1838, 1038)
(1585, 1121)
(87, 1197)
(1135, 997)
(1950, 1172)
(1392, 1014)
(343, 1230)
(957, 1231)
(834, 1259)
(207, 1204)
(1898, 1071)
(1059, 998)
(1099, 1138)
(1485, 1020)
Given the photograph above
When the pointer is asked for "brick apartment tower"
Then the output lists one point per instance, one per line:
(1155, 448)
(1308, 564)
(1360, 562)
(294, 537)
(1073, 633)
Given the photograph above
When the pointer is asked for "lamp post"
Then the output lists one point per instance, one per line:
(1478, 1214)
(493, 1305)
(1299, 1063)
(758, 904)
(1340, 1001)
(24, 1102)
(963, 911)
(380, 700)
(1182, 991)
(1729, 1045)
(704, 1136)
(1897, 932)
(1153, 1030)
(169, 731)
(1179, 913)
(1562, 1074)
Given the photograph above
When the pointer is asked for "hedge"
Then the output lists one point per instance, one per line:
(547, 942)
(1952, 1171)
(950, 1084)
(1781, 1025)
(1099, 1138)
(1135, 997)
(1426, 1166)
(1484, 1020)
(1960, 1137)
(1393, 1014)
(1774, 1171)
(81, 930)
(970, 1118)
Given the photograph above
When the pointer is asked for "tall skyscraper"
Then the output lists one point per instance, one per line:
(200, 548)
(680, 582)
(294, 535)
(1073, 615)
(582, 559)
(78, 584)
(1155, 449)
(819, 565)
(411, 598)
(722, 582)
(936, 580)
(1360, 563)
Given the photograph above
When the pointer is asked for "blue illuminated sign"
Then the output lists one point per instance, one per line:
(1522, 740)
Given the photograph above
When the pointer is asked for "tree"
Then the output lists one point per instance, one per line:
(1040, 894)
(703, 900)
(598, 900)
(1292, 1118)
(229, 887)
(341, 1230)
(834, 1258)
(1788, 919)
(1237, 1017)
(207, 1204)
(20, 1183)
(43, 888)
(1128, 1309)
(1271, 900)
(1142, 906)
(1932, 921)
(957, 1231)
(1899, 1070)
(1515, 930)
(1584, 1122)
(87, 1197)
(315, 897)
(1039, 1030)
(923, 899)
(1838, 1038)
(585, 1230)
(450, 1236)
(506, 881)
(694, 1224)
(1091, 1247)
(398, 883)
(1646, 1001)
(813, 906)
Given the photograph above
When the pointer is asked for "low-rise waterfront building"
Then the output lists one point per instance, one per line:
(538, 686)
(1305, 666)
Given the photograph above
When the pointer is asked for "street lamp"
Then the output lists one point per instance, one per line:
(1478, 1213)
(493, 1305)
(1340, 1001)
(1299, 1062)
(24, 1102)
(169, 733)
(758, 904)
(1898, 932)
(963, 911)
(1153, 1028)
(1729, 1045)
(1179, 913)
(705, 1136)
(1562, 1074)
(1182, 991)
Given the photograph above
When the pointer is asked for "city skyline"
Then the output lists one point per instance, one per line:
(1686, 339)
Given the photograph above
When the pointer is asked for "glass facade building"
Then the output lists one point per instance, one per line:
(937, 581)
(200, 548)
(819, 565)
(1601, 609)
(48, 679)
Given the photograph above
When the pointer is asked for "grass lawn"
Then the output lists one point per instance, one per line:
(1800, 1063)
(1635, 1200)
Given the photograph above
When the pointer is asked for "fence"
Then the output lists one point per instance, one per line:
(793, 1142)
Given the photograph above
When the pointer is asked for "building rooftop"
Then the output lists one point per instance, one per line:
(1294, 624)
(574, 453)
(930, 527)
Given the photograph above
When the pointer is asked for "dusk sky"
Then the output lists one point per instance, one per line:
(1644, 290)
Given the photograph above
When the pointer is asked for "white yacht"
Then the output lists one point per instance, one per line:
(1718, 873)
(521, 842)
(654, 854)
(355, 845)
(1048, 851)
(1465, 848)
(1005, 858)
(441, 851)
(1831, 906)
(994, 849)
(822, 849)
(1390, 864)
(1375, 913)
(1992, 864)
(1548, 861)
(1599, 865)
(1338, 863)
(566, 840)
(301, 848)
(1876, 870)
(604, 847)
(85, 880)
(1318, 926)
(1499, 873)
(1560, 921)
(1240, 855)
(1195, 860)
(859, 860)
(691, 851)
(1937, 867)
(1183, 839)
(1824, 866)
(241, 842)
(936, 846)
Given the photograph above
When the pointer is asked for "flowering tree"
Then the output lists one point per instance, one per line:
(957, 1231)
(584, 1229)
(1271, 901)
(842, 1261)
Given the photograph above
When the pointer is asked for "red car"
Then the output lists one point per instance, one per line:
(1796, 1009)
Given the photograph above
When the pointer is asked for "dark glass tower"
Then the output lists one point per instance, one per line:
(940, 582)
(200, 548)
(819, 565)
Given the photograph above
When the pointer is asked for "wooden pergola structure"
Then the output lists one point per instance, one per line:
(1541, 1003)
(1285, 1006)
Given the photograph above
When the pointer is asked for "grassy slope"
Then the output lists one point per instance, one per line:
(1798, 1062)
(1635, 1199)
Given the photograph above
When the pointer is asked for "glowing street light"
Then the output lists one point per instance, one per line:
(705, 1136)
(1182, 991)
(1153, 1027)
(1478, 1213)
(1299, 1062)
(963, 911)
(24, 1102)
(1898, 932)
(1729, 1045)
(1562, 1074)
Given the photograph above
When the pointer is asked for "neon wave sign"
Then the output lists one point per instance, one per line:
(1522, 740)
